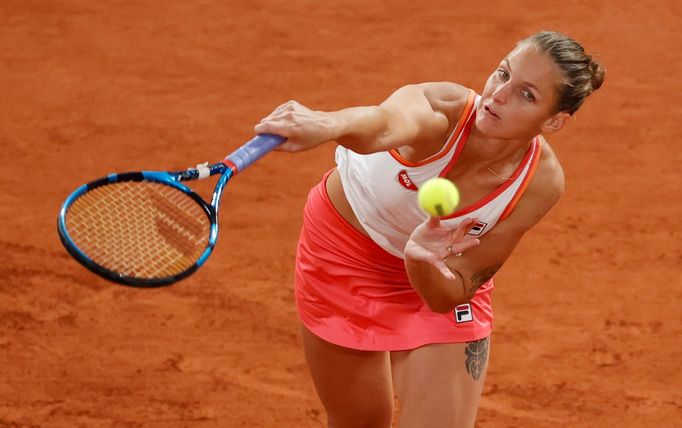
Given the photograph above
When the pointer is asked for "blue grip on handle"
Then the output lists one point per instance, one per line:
(254, 150)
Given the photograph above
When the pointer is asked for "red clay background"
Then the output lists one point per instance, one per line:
(587, 310)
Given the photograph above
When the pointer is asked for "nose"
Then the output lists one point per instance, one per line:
(501, 93)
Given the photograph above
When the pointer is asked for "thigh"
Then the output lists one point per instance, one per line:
(440, 385)
(354, 386)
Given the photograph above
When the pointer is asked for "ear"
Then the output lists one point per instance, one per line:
(555, 122)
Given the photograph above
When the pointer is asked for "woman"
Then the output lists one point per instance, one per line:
(393, 302)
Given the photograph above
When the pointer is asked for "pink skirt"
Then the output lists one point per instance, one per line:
(352, 293)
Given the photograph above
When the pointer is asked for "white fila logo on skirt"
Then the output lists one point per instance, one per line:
(463, 313)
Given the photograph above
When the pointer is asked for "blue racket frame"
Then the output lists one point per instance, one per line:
(234, 163)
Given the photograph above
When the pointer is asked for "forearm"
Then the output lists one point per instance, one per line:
(397, 121)
(439, 293)
(365, 129)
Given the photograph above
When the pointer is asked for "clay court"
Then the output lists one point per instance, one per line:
(588, 320)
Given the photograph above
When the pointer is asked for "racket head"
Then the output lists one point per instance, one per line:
(142, 229)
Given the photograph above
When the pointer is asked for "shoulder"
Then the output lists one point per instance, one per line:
(447, 98)
(548, 183)
(431, 107)
(543, 192)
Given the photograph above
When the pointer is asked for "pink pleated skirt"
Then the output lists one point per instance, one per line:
(352, 293)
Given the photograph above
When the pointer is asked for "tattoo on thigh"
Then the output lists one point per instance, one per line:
(477, 355)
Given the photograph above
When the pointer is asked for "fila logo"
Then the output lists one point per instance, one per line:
(463, 313)
(478, 228)
(405, 180)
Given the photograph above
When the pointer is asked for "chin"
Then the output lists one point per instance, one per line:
(488, 127)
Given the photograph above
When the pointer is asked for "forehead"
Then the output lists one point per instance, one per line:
(533, 66)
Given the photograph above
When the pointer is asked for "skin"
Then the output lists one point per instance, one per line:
(518, 102)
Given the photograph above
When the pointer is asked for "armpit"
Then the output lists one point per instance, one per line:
(480, 278)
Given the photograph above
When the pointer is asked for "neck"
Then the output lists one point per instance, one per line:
(495, 151)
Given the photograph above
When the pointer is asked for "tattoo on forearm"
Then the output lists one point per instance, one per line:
(477, 355)
(479, 279)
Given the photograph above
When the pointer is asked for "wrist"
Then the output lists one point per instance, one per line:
(336, 124)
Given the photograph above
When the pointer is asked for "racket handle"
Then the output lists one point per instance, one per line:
(252, 151)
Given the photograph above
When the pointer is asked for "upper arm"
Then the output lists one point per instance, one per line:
(415, 113)
(478, 264)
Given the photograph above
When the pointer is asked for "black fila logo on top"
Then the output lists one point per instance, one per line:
(478, 228)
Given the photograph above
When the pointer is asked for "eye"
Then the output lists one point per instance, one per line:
(502, 73)
(528, 95)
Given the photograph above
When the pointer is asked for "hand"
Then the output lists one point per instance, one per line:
(303, 127)
(432, 243)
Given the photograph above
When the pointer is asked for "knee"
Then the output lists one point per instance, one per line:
(375, 418)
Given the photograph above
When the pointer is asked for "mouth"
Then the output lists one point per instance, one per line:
(490, 112)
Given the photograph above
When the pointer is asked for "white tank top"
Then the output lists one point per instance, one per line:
(382, 187)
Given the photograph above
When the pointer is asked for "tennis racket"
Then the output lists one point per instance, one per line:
(147, 228)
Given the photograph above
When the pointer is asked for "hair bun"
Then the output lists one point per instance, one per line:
(598, 73)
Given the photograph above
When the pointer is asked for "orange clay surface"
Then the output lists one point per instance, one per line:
(587, 310)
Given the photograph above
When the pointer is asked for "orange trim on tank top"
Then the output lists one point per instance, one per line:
(526, 181)
(460, 146)
(486, 199)
(453, 137)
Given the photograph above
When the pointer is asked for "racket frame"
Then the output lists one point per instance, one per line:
(228, 167)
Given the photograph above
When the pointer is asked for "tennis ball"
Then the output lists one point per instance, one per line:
(438, 197)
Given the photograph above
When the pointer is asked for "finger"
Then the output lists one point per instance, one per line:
(464, 227)
(463, 245)
(273, 127)
(278, 112)
(279, 115)
(433, 222)
(290, 147)
(470, 225)
(273, 113)
(284, 106)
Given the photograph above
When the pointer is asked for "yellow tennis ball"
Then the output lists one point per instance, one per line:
(438, 197)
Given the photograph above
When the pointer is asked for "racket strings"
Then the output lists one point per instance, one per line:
(139, 229)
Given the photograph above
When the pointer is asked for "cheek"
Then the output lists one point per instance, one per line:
(488, 88)
(526, 118)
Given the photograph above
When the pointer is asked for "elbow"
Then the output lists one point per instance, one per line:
(390, 128)
(444, 306)
(361, 147)
(440, 308)
(367, 132)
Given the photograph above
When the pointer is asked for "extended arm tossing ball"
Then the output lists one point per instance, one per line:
(438, 197)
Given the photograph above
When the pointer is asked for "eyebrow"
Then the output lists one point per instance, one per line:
(530, 85)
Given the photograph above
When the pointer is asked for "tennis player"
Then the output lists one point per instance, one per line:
(393, 302)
